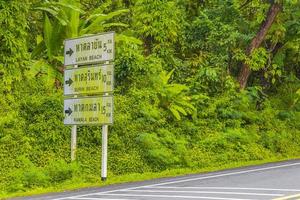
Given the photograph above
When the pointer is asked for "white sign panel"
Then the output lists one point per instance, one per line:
(89, 80)
(92, 49)
(89, 111)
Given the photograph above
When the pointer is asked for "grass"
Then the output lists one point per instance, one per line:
(76, 184)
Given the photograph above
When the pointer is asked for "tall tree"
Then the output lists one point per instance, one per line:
(245, 71)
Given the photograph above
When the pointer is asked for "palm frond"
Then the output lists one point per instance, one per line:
(48, 31)
(92, 24)
(108, 25)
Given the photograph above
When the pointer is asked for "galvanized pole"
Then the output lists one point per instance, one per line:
(74, 136)
(104, 148)
(104, 152)
(73, 142)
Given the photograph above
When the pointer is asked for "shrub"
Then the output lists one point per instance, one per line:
(59, 171)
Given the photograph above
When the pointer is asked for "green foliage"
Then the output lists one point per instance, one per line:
(59, 171)
(71, 21)
(163, 149)
(13, 49)
(54, 9)
(173, 96)
(157, 21)
(28, 176)
(258, 59)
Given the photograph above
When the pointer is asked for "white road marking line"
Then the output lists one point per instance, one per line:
(187, 180)
(288, 197)
(93, 198)
(225, 174)
(171, 196)
(228, 188)
(210, 192)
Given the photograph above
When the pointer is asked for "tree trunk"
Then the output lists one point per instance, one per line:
(245, 72)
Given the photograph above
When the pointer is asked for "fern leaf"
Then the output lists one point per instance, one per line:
(180, 109)
(175, 113)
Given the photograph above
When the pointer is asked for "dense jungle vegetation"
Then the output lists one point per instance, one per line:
(198, 84)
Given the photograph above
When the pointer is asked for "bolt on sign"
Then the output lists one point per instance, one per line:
(91, 49)
(89, 80)
(88, 110)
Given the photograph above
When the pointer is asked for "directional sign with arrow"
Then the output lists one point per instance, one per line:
(85, 80)
(70, 52)
(95, 79)
(91, 49)
(69, 82)
(68, 111)
(89, 111)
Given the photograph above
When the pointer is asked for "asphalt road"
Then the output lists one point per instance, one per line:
(278, 181)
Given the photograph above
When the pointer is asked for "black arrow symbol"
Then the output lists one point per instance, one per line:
(70, 52)
(69, 82)
(69, 111)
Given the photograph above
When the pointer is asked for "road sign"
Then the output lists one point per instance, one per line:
(89, 111)
(89, 80)
(91, 49)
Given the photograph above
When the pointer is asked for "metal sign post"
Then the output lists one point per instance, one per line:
(104, 149)
(74, 137)
(104, 152)
(73, 142)
(84, 82)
